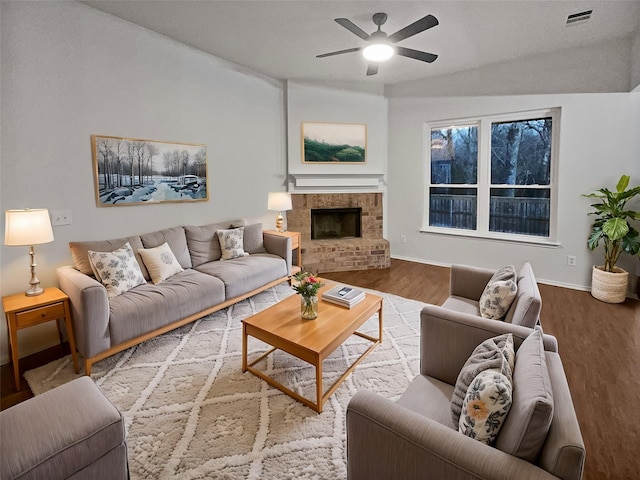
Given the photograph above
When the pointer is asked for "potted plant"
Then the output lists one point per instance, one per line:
(612, 226)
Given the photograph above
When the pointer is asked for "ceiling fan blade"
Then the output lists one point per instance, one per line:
(372, 69)
(416, 27)
(417, 54)
(339, 52)
(353, 28)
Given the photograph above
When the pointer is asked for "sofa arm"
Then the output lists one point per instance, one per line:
(387, 441)
(90, 309)
(278, 245)
(469, 282)
(447, 339)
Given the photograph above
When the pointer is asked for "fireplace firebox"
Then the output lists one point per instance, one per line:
(329, 223)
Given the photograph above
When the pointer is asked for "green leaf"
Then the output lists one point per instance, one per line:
(594, 239)
(615, 228)
(623, 183)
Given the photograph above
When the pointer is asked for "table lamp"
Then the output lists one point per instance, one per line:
(279, 202)
(28, 227)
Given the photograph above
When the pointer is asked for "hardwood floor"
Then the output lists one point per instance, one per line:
(599, 345)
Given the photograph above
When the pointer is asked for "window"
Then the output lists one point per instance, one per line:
(493, 176)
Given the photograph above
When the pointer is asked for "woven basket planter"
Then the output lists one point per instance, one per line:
(610, 287)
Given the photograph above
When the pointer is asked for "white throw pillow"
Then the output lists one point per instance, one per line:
(486, 406)
(118, 270)
(160, 262)
(499, 293)
(231, 243)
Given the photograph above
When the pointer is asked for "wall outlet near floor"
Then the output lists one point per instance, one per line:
(571, 260)
(61, 217)
(403, 239)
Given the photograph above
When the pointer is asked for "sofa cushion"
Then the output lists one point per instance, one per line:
(499, 293)
(492, 353)
(149, 307)
(485, 406)
(253, 239)
(118, 271)
(232, 243)
(525, 428)
(203, 243)
(161, 262)
(80, 252)
(177, 240)
(430, 398)
(244, 274)
(462, 305)
(527, 305)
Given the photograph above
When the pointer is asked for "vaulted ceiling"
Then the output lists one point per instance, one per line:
(282, 38)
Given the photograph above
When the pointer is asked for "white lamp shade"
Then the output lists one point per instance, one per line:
(279, 201)
(27, 227)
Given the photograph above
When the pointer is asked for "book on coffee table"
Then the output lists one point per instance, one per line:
(344, 295)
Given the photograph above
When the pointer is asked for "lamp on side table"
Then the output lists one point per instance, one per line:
(28, 227)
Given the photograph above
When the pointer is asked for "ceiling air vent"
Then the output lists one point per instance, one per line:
(580, 17)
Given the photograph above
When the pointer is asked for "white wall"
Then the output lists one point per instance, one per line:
(598, 143)
(313, 103)
(603, 67)
(635, 63)
(69, 71)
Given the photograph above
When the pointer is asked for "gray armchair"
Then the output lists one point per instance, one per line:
(72, 431)
(467, 285)
(415, 437)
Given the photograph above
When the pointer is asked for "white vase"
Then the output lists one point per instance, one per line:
(609, 287)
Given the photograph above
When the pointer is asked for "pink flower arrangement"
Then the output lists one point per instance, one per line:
(308, 284)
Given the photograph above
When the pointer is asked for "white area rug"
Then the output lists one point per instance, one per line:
(191, 413)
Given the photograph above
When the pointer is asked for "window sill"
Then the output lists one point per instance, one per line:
(500, 237)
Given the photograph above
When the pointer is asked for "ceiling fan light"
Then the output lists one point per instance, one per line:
(378, 52)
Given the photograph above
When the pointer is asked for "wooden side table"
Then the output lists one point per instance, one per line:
(295, 245)
(23, 312)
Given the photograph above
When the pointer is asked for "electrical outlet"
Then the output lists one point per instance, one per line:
(403, 239)
(61, 217)
(571, 260)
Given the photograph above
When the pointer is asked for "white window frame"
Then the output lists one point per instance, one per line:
(484, 175)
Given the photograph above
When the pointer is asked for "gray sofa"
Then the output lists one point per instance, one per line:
(104, 326)
(415, 438)
(72, 431)
(467, 285)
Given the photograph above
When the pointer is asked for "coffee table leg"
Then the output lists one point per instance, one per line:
(244, 347)
(319, 384)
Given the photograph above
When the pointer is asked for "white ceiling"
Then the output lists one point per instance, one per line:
(282, 38)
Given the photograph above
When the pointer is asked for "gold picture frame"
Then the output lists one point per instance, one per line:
(334, 143)
(134, 171)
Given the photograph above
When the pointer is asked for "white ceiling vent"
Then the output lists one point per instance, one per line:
(580, 17)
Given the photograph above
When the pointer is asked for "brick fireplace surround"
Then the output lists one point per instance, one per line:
(341, 254)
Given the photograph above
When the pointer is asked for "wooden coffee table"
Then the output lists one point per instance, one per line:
(282, 327)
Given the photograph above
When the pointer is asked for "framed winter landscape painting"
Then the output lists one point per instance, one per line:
(132, 171)
(334, 142)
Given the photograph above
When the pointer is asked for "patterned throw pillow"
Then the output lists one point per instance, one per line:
(161, 262)
(499, 293)
(231, 243)
(485, 406)
(493, 353)
(118, 270)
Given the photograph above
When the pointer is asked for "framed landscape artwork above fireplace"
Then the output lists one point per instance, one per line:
(337, 143)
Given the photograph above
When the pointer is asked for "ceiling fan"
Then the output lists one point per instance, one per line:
(382, 46)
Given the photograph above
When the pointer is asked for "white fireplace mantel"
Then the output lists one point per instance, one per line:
(304, 182)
